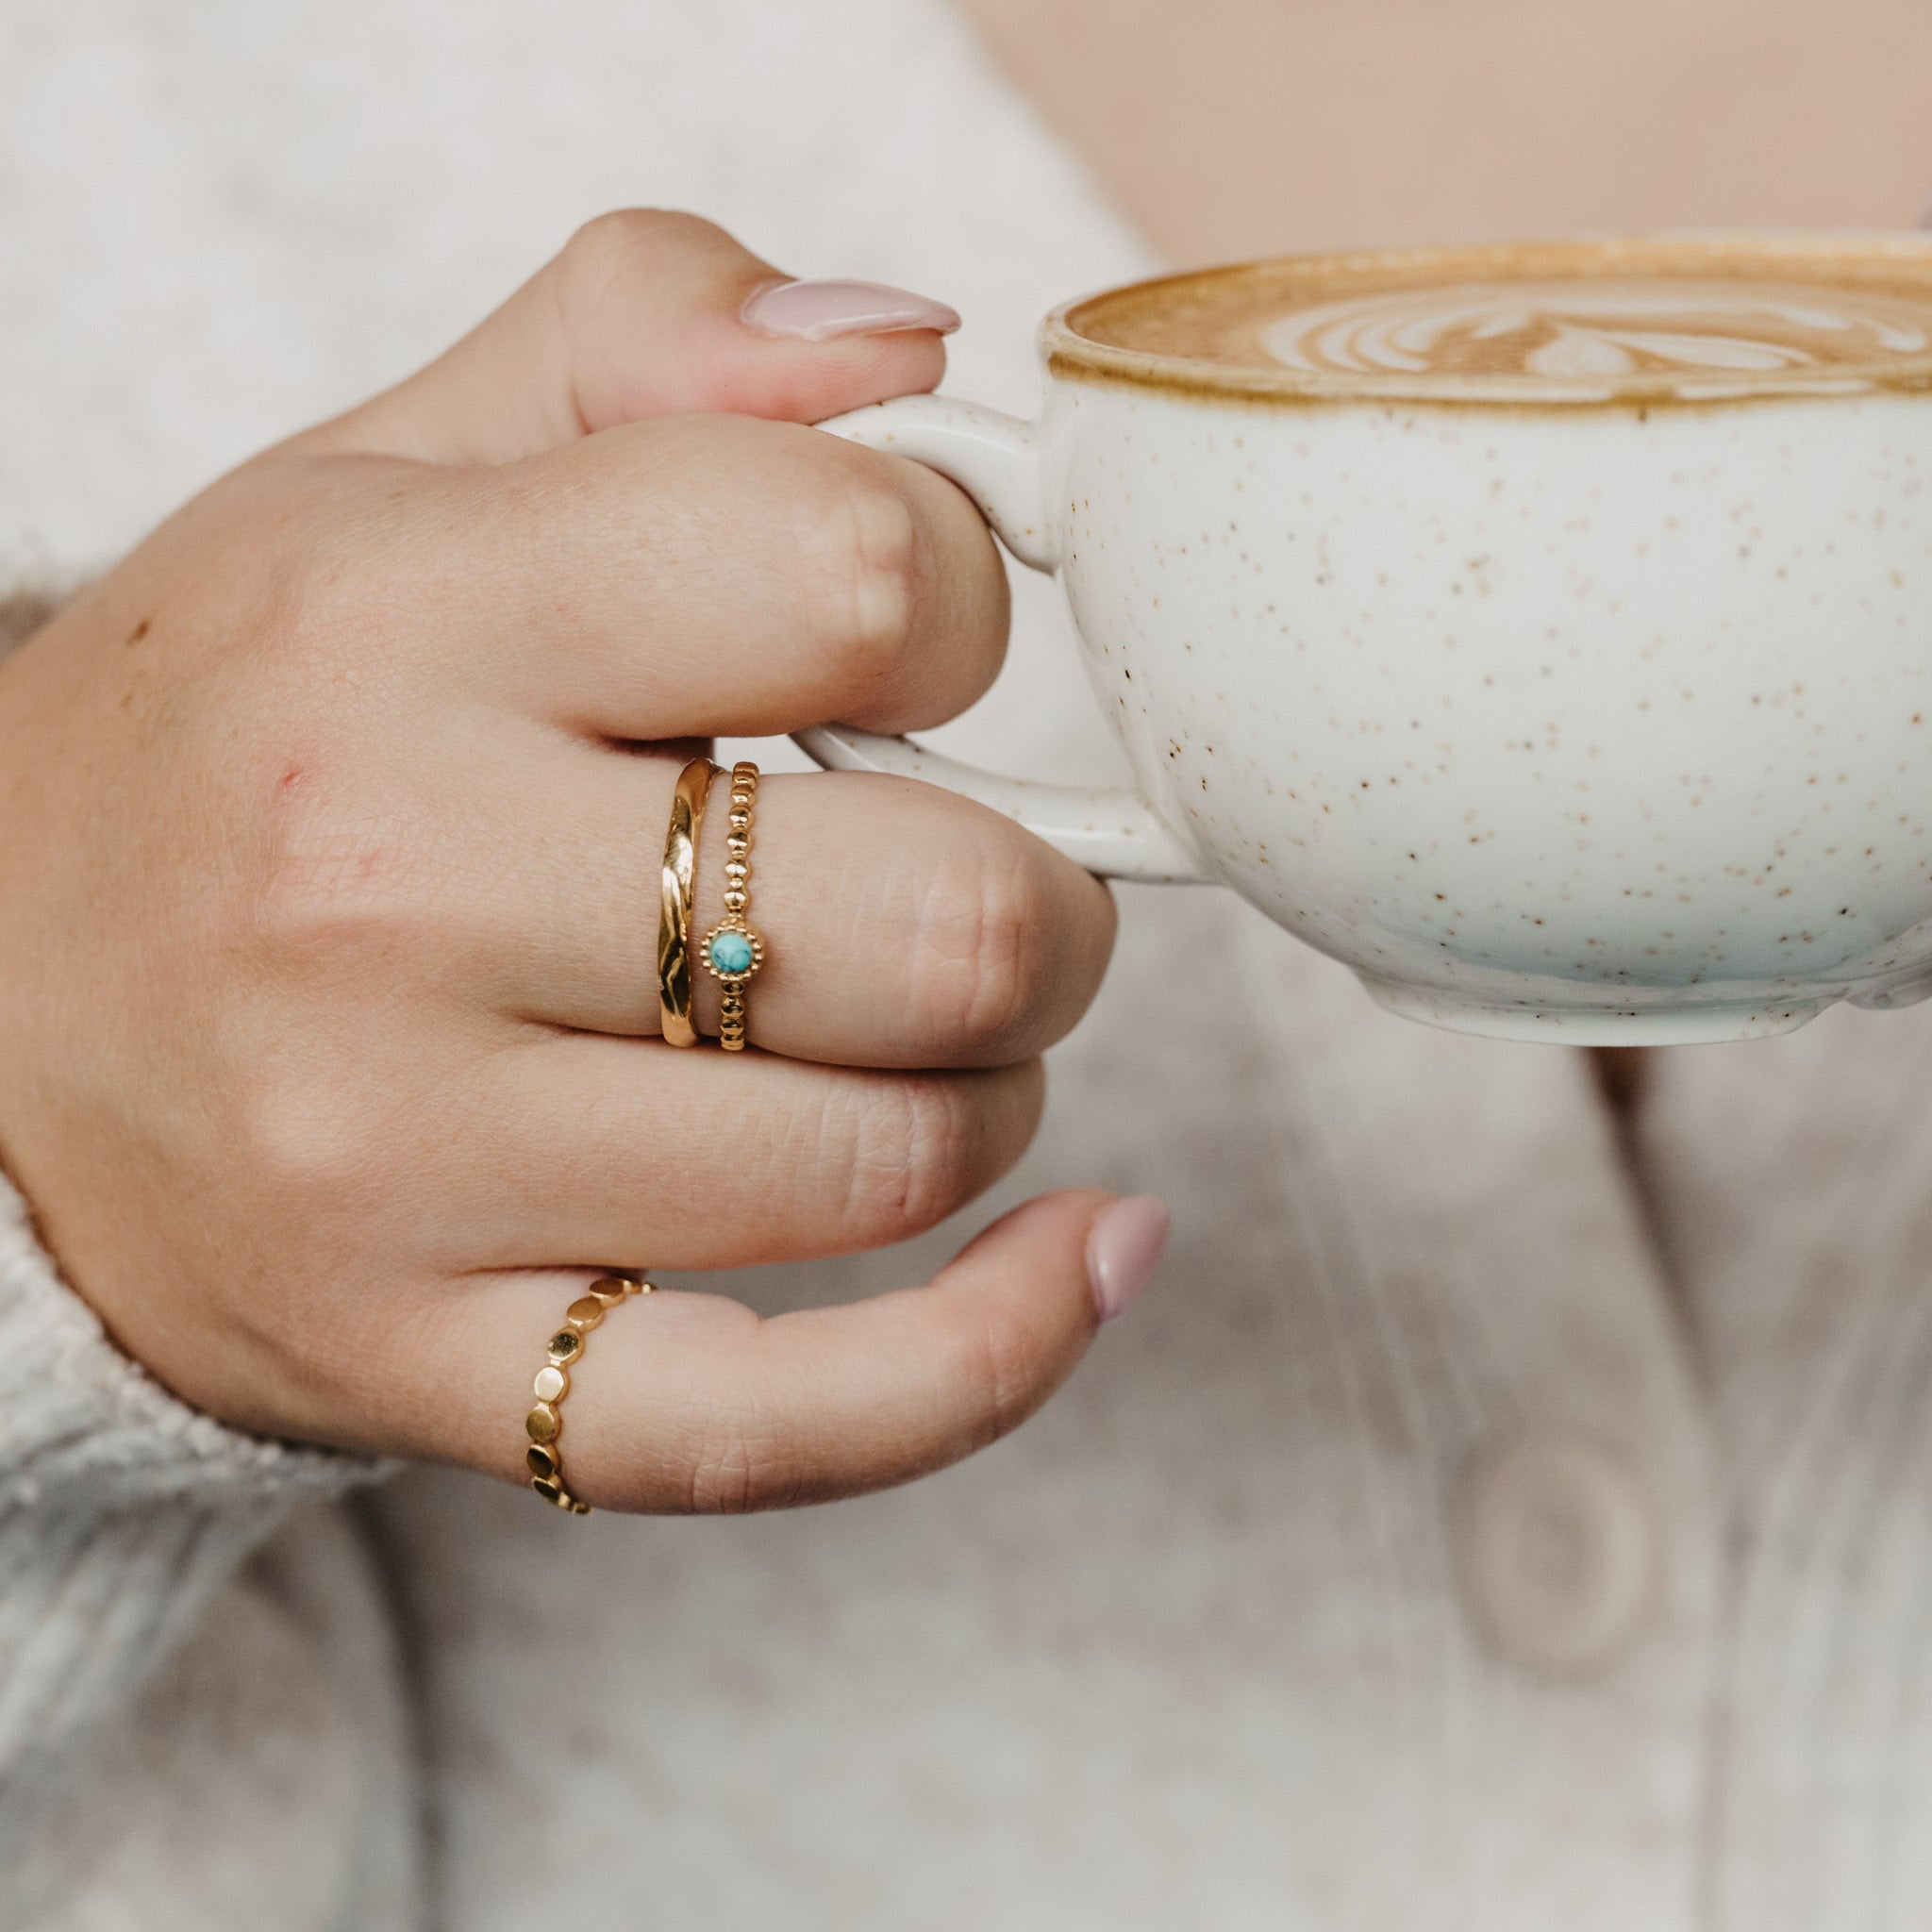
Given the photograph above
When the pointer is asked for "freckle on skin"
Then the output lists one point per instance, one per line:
(140, 631)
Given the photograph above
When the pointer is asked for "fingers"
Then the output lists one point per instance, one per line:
(714, 575)
(642, 314)
(688, 1403)
(694, 575)
(905, 926)
(575, 1144)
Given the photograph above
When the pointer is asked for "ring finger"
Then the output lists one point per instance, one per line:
(905, 928)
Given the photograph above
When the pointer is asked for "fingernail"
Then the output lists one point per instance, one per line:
(1122, 1250)
(820, 310)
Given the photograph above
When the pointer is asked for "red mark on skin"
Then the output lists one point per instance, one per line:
(290, 780)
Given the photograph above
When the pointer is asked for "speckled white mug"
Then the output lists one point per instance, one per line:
(1596, 711)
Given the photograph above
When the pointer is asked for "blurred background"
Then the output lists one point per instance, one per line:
(1363, 121)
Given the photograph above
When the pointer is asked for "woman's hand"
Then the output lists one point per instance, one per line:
(330, 825)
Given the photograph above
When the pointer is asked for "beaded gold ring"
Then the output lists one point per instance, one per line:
(732, 950)
(544, 1422)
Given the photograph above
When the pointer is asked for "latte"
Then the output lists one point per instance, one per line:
(1562, 329)
(1573, 319)
(1543, 630)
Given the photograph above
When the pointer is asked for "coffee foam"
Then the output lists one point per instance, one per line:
(1726, 316)
(1568, 330)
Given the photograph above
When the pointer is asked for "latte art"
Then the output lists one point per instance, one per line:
(1585, 329)
(1642, 319)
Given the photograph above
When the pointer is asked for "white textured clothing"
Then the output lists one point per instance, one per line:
(1485, 1522)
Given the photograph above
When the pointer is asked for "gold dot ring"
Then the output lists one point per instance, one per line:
(544, 1422)
(677, 895)
(733, 952)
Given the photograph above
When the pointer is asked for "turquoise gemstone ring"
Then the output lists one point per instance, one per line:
(732, 952)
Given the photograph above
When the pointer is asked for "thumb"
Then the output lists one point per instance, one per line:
(686, 1402)
(649, 313)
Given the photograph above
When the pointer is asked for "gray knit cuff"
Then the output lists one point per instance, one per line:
(121, 1509)
(82, 1425)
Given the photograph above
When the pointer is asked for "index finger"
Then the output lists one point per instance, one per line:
(639, 316)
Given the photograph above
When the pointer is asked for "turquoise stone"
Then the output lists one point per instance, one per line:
(731, 952)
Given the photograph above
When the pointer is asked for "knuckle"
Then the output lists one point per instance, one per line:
(859, 546)
(624, 242)
(722, 1480)
(996, 1371)
(350, 576)
(732, 1472)
(979, 964)
(303, 1141)
(349, 624)
(333, 881)
(912, 1157)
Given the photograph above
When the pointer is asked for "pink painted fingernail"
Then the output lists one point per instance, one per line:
(820, 310)
(1122, 1250)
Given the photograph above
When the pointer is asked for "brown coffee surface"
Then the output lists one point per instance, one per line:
(1566, 331)
(1562, 313)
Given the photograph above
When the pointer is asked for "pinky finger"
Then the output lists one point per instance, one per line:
(688, 1403)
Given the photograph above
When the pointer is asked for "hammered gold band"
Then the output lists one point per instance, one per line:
(544, 1422)
(678, 894)
(733, 951)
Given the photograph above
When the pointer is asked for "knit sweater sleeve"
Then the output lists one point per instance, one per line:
(121, 1509)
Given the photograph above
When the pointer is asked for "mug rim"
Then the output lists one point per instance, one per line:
(1897, 260)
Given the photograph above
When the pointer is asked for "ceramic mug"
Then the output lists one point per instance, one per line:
(1594, 709)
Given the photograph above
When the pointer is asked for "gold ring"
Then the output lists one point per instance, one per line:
(544, 1422)
(678, 892)
(732, 952)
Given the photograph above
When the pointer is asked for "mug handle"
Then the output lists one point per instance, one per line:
(995, 460)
